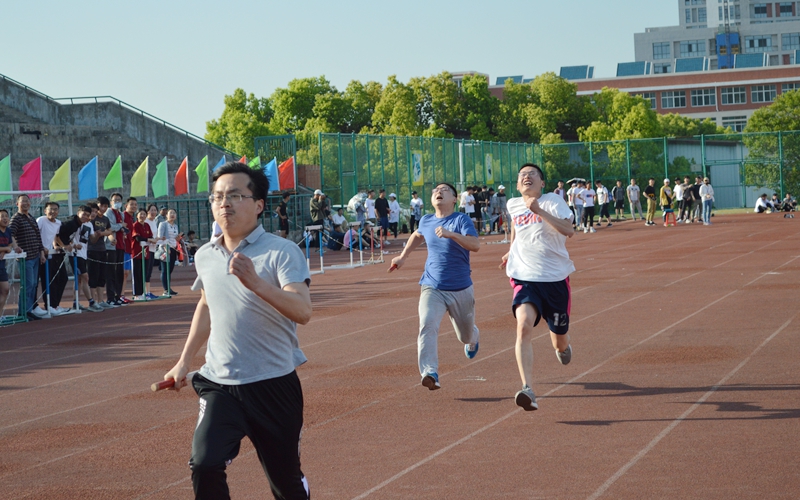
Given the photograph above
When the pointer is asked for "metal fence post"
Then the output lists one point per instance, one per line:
(780, 162)
(666, 160)
(703, 153)
(628, 158)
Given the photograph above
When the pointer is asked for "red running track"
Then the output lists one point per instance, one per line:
(684, 384)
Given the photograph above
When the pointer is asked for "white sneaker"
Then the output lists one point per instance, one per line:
(386, 243)
(592, 230)
(585, 230)
(54, 311)
(38, 311)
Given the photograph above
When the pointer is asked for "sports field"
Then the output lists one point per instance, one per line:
(684, 383)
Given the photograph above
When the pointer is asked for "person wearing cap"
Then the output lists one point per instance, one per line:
(394, 214)
(316, 207)
(416, 211)
(450, 236)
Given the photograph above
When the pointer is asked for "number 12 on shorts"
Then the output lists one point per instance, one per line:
(560, 319)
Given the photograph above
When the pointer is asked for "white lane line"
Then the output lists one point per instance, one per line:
(569, 382)
(644, 451)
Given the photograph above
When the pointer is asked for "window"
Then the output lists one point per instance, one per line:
(790, 41)
(689, 16)
(660, 69)
(702, 16)
(760, 10)
(788, 87)
(649, 96)
(675, 99)
(762, 93)
(737, 123)
(733, 95)
(693, 48)
(758, 43)
(704, 97)
(785, 9)
(661, 50)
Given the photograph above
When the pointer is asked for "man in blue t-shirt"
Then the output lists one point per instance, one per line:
(446, 284)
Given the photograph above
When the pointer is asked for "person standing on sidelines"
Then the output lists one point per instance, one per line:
(707, 195)
(97, 256)
(283, 214)
(446, 284)
(115, 245)
(25, 232)
(603, 202)
(589, 196)
(538, 266)
(254, 290)
(650, 194)
(49, 225)
(618, 195)
(416, 211)
(382, 209)
(634, 193)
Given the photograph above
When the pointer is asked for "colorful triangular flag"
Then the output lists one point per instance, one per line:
(113, 179)
(139, 179)
(182, 178)
(62, 179)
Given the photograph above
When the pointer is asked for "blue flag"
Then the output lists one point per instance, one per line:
(222, 161)
(271, 171)
(87, 181)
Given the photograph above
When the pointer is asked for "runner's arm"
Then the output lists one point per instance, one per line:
(199, 331)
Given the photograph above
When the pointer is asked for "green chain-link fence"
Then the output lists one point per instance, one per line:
(740, 166)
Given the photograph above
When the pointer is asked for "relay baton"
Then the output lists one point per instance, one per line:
(166, 384)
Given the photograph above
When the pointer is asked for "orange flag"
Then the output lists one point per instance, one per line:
(286, 174)
(182, 178)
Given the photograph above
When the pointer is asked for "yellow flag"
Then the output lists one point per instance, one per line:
(139, 179)
(61, 180)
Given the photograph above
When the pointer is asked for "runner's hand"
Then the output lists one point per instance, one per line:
(242, 267)
(504, 261)
(178, 374)
(397, 263)
(442, 232)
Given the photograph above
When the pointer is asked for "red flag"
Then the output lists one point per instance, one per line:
(286, 174)
(182, 178)
(243, 159)
(31, 178)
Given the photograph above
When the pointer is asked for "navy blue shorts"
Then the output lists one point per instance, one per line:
(551, 300)
(384, 221)
(3, 273)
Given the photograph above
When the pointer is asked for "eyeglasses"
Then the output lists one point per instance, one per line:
(217, 199)
(528, 174)
(442, 190)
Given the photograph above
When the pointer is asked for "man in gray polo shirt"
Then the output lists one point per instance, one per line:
(254, 288)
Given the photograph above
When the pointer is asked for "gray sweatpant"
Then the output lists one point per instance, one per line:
(433, 303)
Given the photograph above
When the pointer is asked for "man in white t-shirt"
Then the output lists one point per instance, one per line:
(369, 203)
(539, 266)
(571, 202)
(634, 193)
(603, 199)
(49, 226)
(577, 199)
(588, 196)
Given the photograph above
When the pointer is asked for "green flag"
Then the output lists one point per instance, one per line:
(159, 182)
(255, 163)
(139, 179)
(114, 177)
(5, 177)
(202, 175)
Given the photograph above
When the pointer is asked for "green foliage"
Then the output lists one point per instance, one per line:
(764, 168)
(244, 118)
(396, 111)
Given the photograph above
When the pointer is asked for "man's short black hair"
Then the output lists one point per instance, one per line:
(286, 194)
(533, 165)
(116, 194)
(85, 208)
(52, 203)
(21, 195)
(93, 206)
(651, 179)
(382, 191)
(258, 183)
(130, 199)
(190, 233)
(4, 210)
(102, 200)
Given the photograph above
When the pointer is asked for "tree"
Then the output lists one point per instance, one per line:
(480, 108)
(675, 125)
(244, 118)
(362, 98)
(396, 111)
(294, 105)
(765, 150)
(512, 121)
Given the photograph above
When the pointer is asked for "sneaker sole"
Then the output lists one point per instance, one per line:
(430, 383)
(561, 359)
(524, 401)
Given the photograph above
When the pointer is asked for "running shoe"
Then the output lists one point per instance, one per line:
(55, 312)
(431, 381)
(609, 224)
(585, 230)
(32, 317)
(471, 350)
(38, 312)
(96, 308)
(526, 399)
(564, 357)
(126, 300)
(592, 230)
(107, 305)
(150, 296)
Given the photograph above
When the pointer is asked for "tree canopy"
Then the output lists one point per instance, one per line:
(545, 110)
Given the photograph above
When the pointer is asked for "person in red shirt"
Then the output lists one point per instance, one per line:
(141, 236)
(129, 219)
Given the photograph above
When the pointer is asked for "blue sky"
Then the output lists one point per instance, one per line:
(178, 59)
